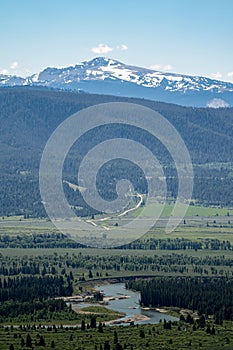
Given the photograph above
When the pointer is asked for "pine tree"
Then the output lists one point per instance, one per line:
(213, 331)
(83, 326)
(115, 337)
(100, 328)
(93, 322)
(142, 333)
(106, 345)
(28, 341)
(41, 341)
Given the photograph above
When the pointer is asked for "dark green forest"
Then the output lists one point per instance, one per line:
(59, 240)
(79, 267)
(32, 297)
(209, 296)
(28, 116)
(27, 288)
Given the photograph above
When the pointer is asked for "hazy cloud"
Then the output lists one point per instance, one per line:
(217, 103)
(216, 75)
(168, 67)
(4, 71)
(155, 66)
(230, 74)
(122, 47)
(163, 67)
(102, 48)
(14, 65)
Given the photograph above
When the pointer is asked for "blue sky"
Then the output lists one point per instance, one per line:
(185, 36)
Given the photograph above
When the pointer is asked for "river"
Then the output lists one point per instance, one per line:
(130, 305)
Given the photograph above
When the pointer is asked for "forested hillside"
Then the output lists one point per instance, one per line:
(28, 117)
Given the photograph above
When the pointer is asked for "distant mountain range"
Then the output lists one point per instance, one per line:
(107, 76)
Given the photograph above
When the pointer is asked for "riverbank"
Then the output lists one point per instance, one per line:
(118, 299)
(173, 311)
(127, 301)
(129, 320)
(100, 312)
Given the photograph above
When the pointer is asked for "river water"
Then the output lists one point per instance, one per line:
(130, 306)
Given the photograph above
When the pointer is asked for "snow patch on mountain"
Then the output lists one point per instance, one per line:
(129, 81)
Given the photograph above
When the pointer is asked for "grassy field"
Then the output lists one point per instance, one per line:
(181, 336)
(193, 210)
(17, 224)
(18, 252)
(100, 313)
(194, 233)
(192, 227)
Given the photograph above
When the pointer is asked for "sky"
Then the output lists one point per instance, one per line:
(184, 36)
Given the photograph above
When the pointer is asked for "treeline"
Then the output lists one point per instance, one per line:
(85, 266)
(179, 244)
(59, 240)
(36, 311)
(34, 288)
(47, 240)
(31, 298)
(209, 296)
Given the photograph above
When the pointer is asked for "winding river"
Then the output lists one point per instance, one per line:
(130, 305)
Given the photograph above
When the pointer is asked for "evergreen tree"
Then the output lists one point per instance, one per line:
(83, 326)
(208, 330)
(142, 333)
(93, 322)
(106, 345)
(213, 330)
(115, 337)
(41, 341)
(100, 328)
(28, 341)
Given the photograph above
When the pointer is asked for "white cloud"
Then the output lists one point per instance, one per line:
(217, 103)
(230, 74)
(14, 65)
(122, 47)
(156, 67)
(4, 71)
(164, 67)
(102, 48)
(216, 75)
(167, 67)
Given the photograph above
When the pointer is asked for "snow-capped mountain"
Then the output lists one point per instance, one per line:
(107, 76)
(11, 80)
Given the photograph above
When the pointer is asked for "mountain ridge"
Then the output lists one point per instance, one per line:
(107, 76)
